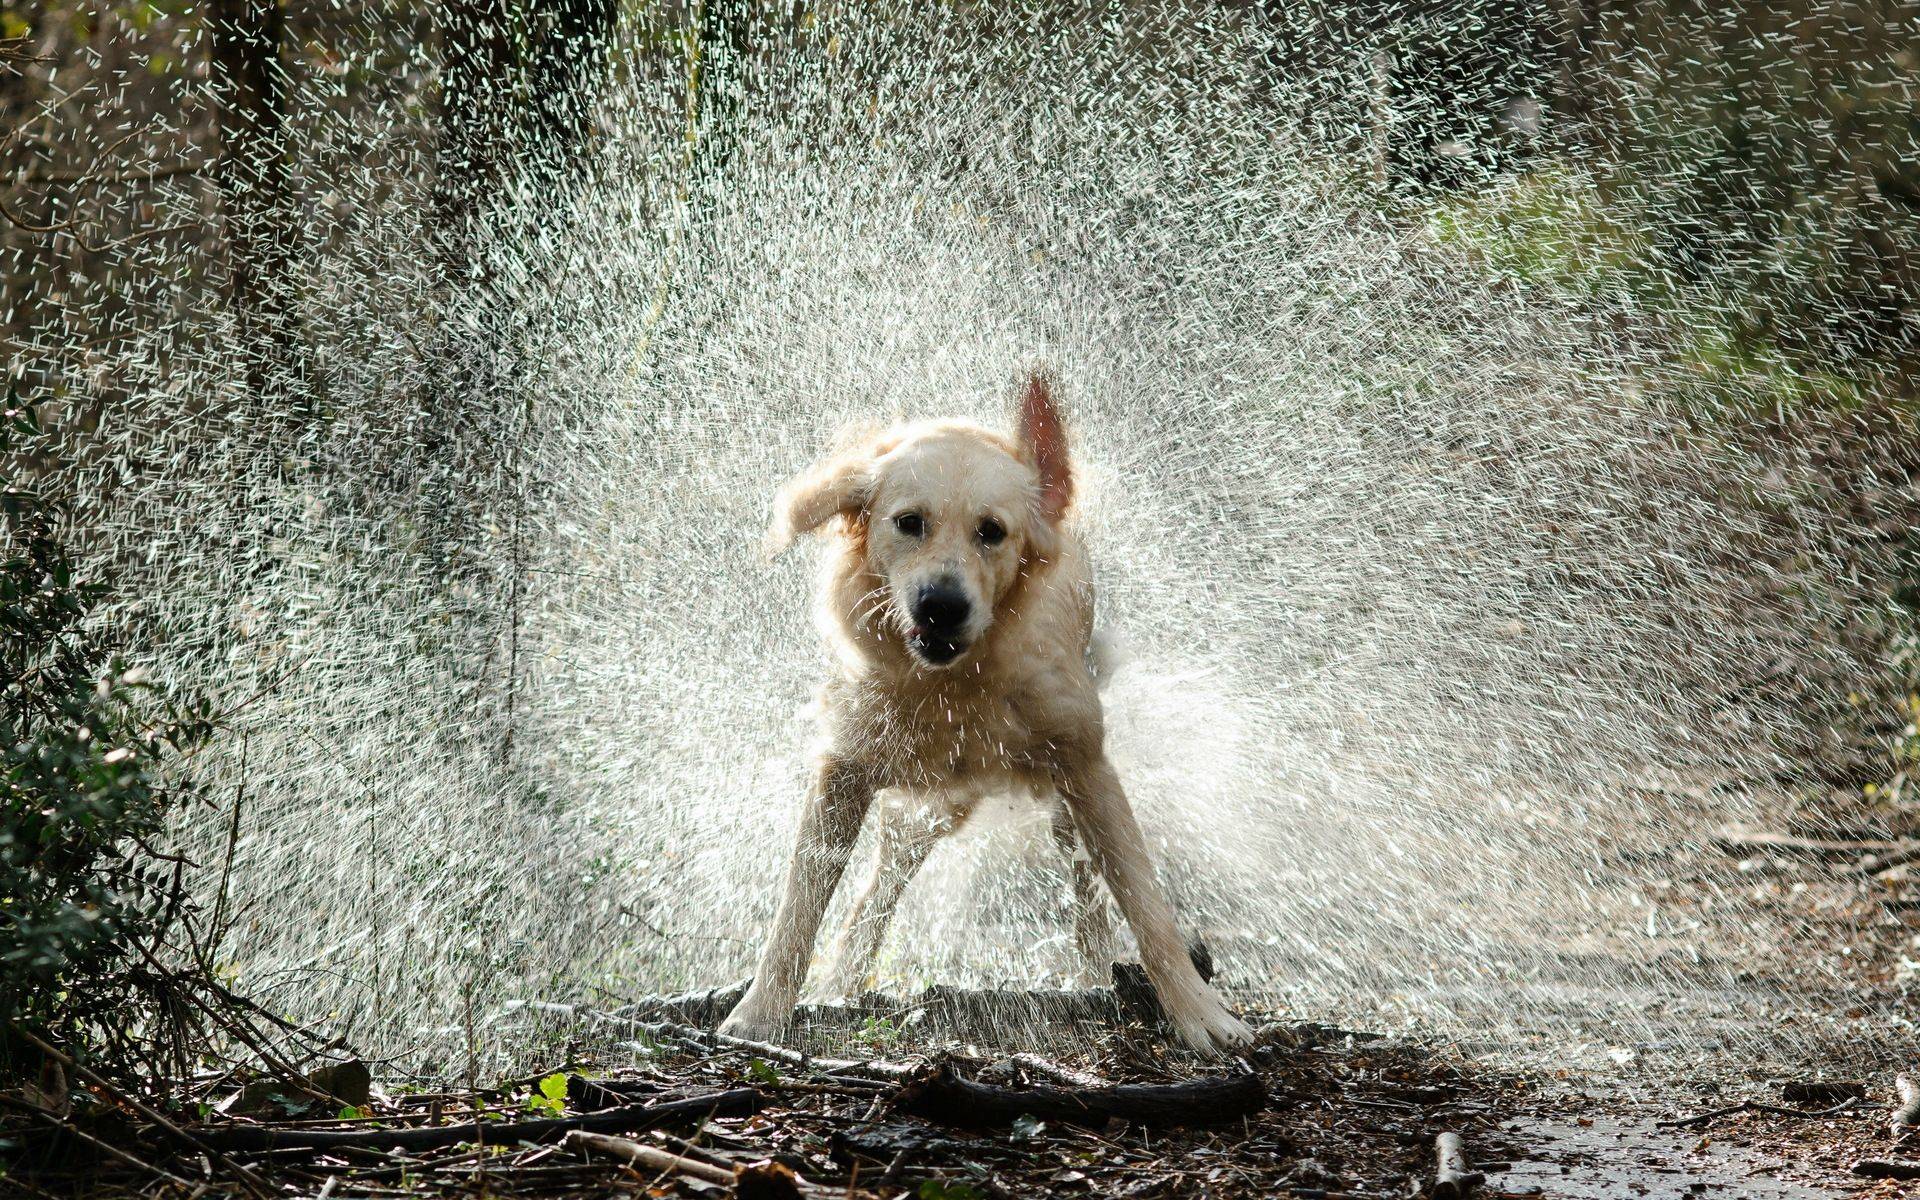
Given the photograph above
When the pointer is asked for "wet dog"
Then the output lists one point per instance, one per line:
(958, 608)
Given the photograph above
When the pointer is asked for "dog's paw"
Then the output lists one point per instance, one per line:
(1210, 1028)
(749, 1028)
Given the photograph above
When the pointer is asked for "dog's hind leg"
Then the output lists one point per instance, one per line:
(1093, 933)
(907, 836)
(842, 793)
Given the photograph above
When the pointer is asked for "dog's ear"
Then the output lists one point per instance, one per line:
(837, 486)
(1043, 444)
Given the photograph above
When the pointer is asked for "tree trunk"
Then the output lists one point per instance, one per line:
(248, 85)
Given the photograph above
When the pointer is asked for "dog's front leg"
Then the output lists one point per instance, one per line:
(1092, 790)
(841, 795)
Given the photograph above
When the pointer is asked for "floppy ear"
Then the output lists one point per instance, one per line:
(837, 486)
(1043, 444)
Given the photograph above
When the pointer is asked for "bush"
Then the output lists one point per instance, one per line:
(84, 889)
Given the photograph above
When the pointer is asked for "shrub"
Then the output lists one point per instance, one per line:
(88, 740)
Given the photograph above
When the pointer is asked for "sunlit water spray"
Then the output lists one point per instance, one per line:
(1428, 600)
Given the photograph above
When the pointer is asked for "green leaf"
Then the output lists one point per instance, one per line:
(1026, 1127)
(554, 1087)
(349, 1112)
(761, 1072)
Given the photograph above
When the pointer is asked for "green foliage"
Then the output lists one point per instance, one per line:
(760, 1072)
(1773, 149)
(879, 1032)
(550, 1095)
(940, 1189)
(87, 739)
(1553, 228)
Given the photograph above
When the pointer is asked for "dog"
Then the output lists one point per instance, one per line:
(958, 607)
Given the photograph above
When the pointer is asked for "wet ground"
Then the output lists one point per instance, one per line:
(1753, 1056)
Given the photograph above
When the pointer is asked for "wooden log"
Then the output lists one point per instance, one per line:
(941, 1094)
(1887, 1168)
(629, 1119)
(1822, 1091)
(1451, 1178)
(635, 1154)
(1906, 1116)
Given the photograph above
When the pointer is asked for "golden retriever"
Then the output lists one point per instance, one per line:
(958, 607)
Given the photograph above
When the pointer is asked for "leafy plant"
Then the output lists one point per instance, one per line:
(879, 1031)
(550, 1095)
(87, 898)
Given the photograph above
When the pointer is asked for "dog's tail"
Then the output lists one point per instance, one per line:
(1105, 655)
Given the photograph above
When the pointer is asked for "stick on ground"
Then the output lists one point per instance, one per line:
(581, 1142)
(1451, 1179)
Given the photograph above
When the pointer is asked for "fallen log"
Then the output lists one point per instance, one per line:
(942, 1094)
(629, 1119)
(1451, 1178)
(1887, 1168)
(1906, 1116)
(1822, 1091)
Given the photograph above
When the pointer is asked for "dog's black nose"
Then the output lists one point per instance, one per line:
(941, 609)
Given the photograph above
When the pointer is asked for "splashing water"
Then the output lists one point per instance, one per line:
(1434, 594)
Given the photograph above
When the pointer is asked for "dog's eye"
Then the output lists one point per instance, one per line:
(992, 532)
(910, 523)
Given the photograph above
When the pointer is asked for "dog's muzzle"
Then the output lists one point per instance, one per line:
(940, 614)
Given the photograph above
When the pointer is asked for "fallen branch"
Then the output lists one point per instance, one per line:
(867, 1070)
(1881, 863)
(1451, 1178)
(1754, 1106)
(943, 1095)
(1907, 1114)
(1065, 1076)
(1887, 1168)
(1740, 841)
(635, 1154)
(758, 1179)
(71, 1129)
(253, 1183)
(630, 1119)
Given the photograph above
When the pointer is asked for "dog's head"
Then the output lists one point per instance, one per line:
(946, 516)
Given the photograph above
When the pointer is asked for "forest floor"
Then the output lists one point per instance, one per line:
(1311, 1111)
(943, 1096)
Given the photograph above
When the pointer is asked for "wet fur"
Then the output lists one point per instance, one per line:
(1017, 711)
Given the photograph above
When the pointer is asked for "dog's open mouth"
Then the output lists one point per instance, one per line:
(933, 648)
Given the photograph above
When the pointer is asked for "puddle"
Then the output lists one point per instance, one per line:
(1615, 1158)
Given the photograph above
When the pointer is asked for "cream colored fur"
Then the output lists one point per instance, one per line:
(1017, 711)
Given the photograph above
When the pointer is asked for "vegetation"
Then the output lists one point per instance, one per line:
(1748, 177)
(88, 898)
